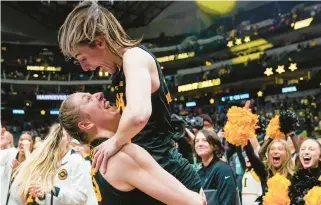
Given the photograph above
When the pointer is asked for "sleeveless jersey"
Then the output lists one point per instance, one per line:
(251, 188)
(156, 136)
(108, 195)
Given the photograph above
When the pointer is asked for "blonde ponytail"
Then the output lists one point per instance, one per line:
(41, 165)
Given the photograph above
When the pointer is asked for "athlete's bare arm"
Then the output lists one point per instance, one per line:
(133, 167)
(137, 66)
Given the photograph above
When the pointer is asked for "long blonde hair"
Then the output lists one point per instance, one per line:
(89, 20)
(288, 166)
(42, 165)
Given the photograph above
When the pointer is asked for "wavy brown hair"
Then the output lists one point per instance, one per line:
(214, 141)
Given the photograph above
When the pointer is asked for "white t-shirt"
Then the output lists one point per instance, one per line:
(74, 181)
(251, 188)
(6, 158)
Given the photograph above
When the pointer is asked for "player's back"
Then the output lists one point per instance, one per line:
(107, 194)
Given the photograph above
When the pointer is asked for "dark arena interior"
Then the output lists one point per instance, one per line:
(243, 76)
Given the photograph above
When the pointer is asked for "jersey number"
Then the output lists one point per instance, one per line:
(245, 182)
(30, 199)
(120, 101)
(96, 187)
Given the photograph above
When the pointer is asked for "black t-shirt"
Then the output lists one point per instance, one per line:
(156, 136)
(218, 176)
(108, 195)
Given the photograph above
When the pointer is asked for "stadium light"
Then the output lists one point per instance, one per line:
(191, 104)
(260, 93)
(289, 89)
(18, 112)
(247, 39)
(238, 41)
(230, 44)
(293, 67)
(302, 24)
(280, 69)
(268, 71)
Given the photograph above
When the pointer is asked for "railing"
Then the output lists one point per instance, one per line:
(275, 51)
(45, 82)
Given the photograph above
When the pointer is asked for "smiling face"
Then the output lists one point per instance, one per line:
(96, 111)
(202, 147)
(94, 55)
(310, 154)
(277, 154)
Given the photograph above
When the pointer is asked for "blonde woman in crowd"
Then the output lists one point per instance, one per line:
(10, 159)
(279, 159)
(53, 159)
(308, 175)
(6, 141)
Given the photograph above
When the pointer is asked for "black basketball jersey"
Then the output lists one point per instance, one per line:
(156, 136)
(108, 195)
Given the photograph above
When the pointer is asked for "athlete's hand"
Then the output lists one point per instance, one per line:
(35, 190)
(102, 153)
(203, 197)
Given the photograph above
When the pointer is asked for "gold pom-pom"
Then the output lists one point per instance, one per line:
(273, 129)
(313, 197)
(240, 126)
(278, 187)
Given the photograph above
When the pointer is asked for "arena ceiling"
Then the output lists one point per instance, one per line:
(37, 22)
(49, 15)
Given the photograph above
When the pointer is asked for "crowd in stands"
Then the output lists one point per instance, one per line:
(231, 163)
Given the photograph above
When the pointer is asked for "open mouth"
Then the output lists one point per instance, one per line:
(306, 160)
(276, 160)
(107, 105)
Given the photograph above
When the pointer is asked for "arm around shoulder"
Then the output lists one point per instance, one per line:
(146, 175)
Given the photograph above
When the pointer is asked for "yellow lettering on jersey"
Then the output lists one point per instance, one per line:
(95, 185)
(120, 101)
(121, 83)
(29, 199)
(168, 98)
